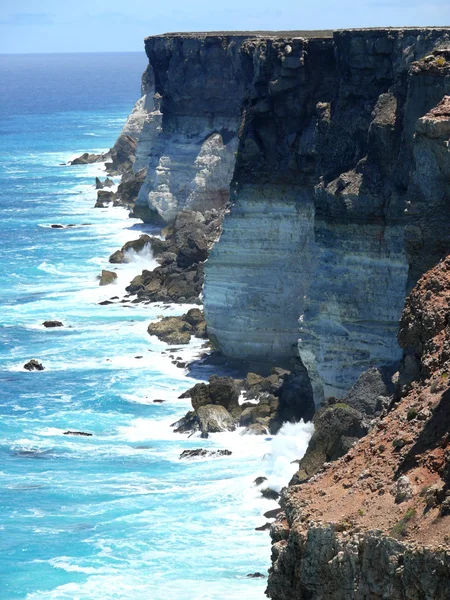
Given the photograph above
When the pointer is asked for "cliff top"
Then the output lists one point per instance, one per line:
(325, 33)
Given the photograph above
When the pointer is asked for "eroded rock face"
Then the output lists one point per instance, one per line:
(191, 136)
(330, 156)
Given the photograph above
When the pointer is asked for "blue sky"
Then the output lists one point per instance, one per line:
(121, 25)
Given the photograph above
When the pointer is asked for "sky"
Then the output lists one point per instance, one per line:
(31, 26)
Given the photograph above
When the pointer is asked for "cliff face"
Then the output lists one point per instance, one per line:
(326, 166)
(338, 186)
(375, 523)
(199, 85)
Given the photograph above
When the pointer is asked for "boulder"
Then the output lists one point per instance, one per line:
(337, 428)
(256, 429)
(187, 424)
(33, 365)
(87, 159)
(50, 324)
(172, 330)
(98, 184)
(372, 391)
(107, 277)
(120, 256)
(222, 391)
(215, 418)
(104, 197)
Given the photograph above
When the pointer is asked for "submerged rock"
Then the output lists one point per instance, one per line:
(50, 324)
(33, 365)
(83, 433)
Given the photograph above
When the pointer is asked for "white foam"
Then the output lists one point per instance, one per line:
(287, 446)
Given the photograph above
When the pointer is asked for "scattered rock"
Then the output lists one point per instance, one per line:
(33, 365)
(107, 277)
(50, 324)
(78, 433)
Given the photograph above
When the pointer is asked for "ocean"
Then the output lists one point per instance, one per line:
(117, 514)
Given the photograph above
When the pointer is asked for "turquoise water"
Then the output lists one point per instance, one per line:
(115, 515)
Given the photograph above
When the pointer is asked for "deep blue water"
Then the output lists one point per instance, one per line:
(115, 515)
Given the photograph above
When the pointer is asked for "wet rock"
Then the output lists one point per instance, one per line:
(33, 365)
(215, 418)
(256, 575)
(222, 391)
(190, 423)
(270, 494)
(50, 324)
(202, 453)
(273, 514)
(264, 527)
(57, 226)
(259, 480)
(172, 330)
(107, 277)
(158, 401)
(104, 198)
(87, 159)
(178, 330)
(82, 433)
(121, 256)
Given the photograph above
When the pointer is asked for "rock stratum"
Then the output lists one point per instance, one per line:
(327, 151)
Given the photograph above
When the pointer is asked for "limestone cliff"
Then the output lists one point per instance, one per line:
(338, 186)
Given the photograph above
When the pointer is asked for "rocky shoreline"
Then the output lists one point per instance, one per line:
(315, 190)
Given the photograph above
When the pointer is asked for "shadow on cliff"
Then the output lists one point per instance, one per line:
(433, 435)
